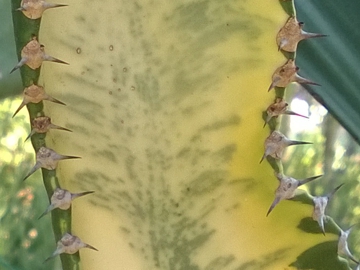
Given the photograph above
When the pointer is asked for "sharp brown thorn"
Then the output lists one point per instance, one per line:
(307, 180)
(298, 143)
(294, 113)
(272, 206)
(77, 195)
(19, 65)
(18, 109)
(34, 169)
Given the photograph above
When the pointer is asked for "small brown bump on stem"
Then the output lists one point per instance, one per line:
(42, 124)
(69, 244)
(48, 159)
(35, 94)
(320, 204)
(287, 187)
(62, 199)
(276, 143)
(286, 74)
(33, 54)
(291, 34)
(277, 108)
(33, 9)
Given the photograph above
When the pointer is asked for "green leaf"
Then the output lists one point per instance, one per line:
(333, 61)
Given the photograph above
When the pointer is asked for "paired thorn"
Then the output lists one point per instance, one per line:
(287, 187)
(62, 199)
(43, 124)
(33, 9)
(35, 94)
(286, 74)
(276, 143)
(48, 159)
(320, 204)
(343, 247)
(33, 54)
(291, 34)
(69, 244)
(277, 108)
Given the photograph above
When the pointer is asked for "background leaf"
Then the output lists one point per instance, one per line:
(333, 61)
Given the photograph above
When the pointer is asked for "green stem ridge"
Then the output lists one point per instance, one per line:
(24, 30)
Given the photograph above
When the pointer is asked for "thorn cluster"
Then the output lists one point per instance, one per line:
(287, 41)
(33, 55)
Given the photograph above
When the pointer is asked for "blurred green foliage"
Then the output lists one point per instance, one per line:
(10, 84)
(25, 241)
(333, 153)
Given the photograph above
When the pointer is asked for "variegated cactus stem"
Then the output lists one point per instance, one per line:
(291, 34)
(286, 74)
(276, 143)
(287, 187)
(320, 204)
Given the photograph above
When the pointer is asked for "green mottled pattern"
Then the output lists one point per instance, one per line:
(154, 121)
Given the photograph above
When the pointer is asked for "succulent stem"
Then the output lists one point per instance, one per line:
(25, 30)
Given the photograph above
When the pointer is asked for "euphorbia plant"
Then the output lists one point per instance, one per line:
(165, 101)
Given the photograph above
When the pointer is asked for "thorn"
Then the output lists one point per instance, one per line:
(50, 208)
(276, 143)
(53, 59)
(33, 9)
(272, 206)
(333, 192)
(42, 124)
(298, 143)
(263, 157)
(285, 190)
(275, 109)
(307, 35)
(48, 159)
(284, 75)
(302, 80)
(291, 34)
(34, 169)
(307, 180)
(297, 114)
(69, 244)
(274, 83)
(318, 215)
(78, 195)
(343, 248)
(18, 109)
(62, 199)
(31, 133)
(320, 204)
(35, 94)
(33, 54)
(22, 62)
